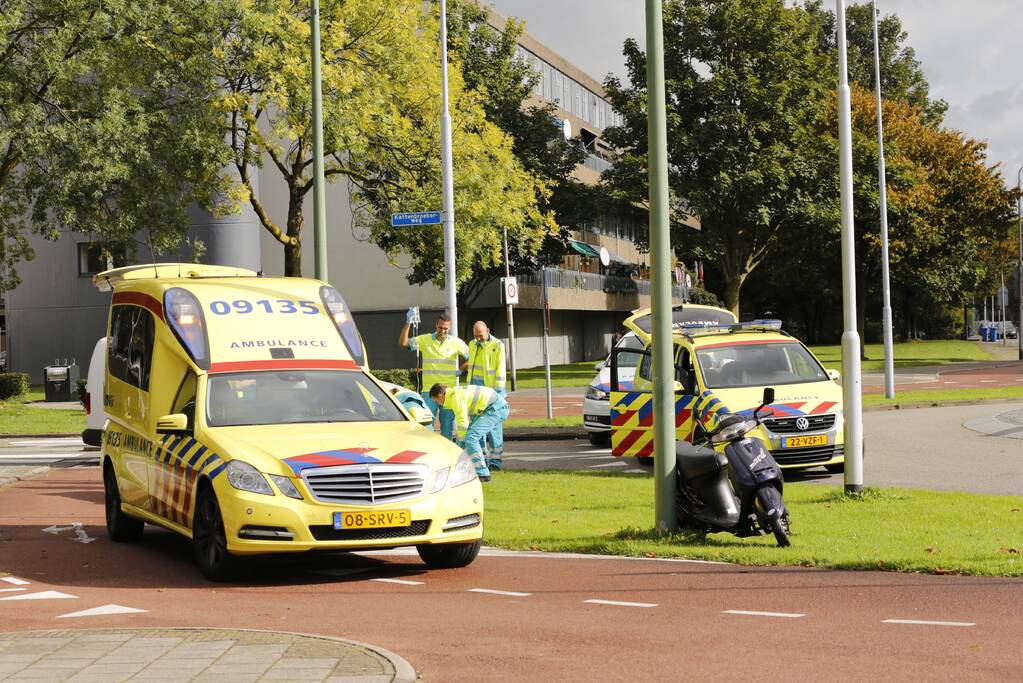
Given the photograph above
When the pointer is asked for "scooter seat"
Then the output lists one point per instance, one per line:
(696, 461)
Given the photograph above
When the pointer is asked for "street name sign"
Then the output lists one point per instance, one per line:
(415, 218)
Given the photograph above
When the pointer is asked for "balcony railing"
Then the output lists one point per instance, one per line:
(594, 282)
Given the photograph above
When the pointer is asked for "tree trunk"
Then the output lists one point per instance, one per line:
(293, 251)
(733, 285)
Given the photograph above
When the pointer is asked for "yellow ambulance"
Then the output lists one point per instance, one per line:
(242, 415)
(722, 367)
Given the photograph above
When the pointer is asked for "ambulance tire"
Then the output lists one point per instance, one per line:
(645, 460)
(120, 527)
(449, 555)
(600, 438)
(209, 541)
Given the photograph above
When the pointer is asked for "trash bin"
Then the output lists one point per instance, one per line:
(985, 334)
(994, 334)
(61, 381)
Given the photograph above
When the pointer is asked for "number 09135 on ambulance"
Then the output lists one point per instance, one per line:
(242, 415)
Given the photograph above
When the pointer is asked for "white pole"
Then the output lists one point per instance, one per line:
(510, 313)
(1002, 296)
(546, 348)
(445, 172)
(851, 399)
(886, 310)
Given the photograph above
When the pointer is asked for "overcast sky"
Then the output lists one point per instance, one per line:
(970, 51)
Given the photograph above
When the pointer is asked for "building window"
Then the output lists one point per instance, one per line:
(95, 257)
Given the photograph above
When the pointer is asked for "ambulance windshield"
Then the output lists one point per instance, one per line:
(758, 364)
(263, 398)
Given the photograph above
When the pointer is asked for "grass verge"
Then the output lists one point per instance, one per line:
(560, 422)
(890, 529)
(936, 397)
(16, 418)
(570, 375)
(907, 354)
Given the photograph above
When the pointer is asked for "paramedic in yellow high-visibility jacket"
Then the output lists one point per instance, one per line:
(477, 410)
(440, 351)
(486, 367)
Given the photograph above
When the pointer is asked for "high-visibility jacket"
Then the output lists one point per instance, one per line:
(486, 363)
(468, 402)
(440, 359)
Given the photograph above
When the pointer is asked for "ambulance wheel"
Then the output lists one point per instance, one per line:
(645, 460)
(209, 541)
(120, 527)
(449, 555)
(600, 438)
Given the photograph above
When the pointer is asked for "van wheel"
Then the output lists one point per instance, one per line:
(449, 555)
(209, 541)
(600, 438)
(120, 527)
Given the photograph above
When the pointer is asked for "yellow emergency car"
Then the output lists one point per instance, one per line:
(723, 367)
(242, 415)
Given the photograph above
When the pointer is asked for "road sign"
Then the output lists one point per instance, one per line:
(1003, 296)
(415, 218)
(510, 290)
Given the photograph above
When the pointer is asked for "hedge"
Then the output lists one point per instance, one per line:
(402, 376)
(13, 385)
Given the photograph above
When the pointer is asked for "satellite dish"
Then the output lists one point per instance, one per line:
(566, 129)
(605, 257)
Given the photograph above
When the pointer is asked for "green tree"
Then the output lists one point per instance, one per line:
(104, 121)
(744, 82)
(381, 114)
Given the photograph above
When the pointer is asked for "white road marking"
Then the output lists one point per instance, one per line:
(49, 442)
(15, 580)
(512, 594)
(950, 382)
(618, 603)
(44, 595)
(616, 463)
(46, 456)
(403, 582)
(783, 615)
(12, 590)
(80, 535)
(920, 622)
(103, 611)
(988, 380)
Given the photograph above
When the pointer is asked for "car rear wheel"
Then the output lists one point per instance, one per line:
(209, 540)
(600, 438)
(449, 555)
(120, 527)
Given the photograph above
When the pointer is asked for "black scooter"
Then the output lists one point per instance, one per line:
(737, 488)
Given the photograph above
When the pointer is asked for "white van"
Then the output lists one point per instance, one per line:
(95, 416)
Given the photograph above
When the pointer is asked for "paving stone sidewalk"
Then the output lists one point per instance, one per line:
(208, 655)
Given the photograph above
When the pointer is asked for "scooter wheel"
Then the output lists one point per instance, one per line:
(773, 509)
(780, 527)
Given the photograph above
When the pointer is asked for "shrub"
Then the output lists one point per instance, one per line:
(13, 385)
(402, 376)
(699, 295)
(80, 390)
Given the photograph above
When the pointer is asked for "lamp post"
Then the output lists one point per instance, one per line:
(851, 380)
(445, 172)
(1019, 264)
(660, 277)
(886, 310)
(319, 201)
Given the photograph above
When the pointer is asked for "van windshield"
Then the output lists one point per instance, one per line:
(758, 364)
(264, 398)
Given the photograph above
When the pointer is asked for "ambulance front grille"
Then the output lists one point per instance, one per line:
(365, 484)
(787, 425)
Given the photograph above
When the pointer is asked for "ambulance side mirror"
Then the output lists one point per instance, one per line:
(172, 424)
(421, 415)
(834, 374)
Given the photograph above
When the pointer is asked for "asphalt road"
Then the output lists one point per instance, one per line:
(518, 616)
(916, 448)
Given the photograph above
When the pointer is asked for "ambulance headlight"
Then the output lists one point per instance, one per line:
(245, 477)
(463, 472)
(440, 478)
(285, 486)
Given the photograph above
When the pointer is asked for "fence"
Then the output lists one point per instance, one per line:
(594, 282)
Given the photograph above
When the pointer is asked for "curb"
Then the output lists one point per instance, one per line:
(544, 434)
(11, 479)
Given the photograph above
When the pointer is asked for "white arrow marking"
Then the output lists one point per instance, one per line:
(617, 603)
(80, 535)
(783, 615)
(54, 529)
(102, 611)
(403, 582)
(44, 595)
(493, 592)
(928, 623)
(12, 590)
(15, 580)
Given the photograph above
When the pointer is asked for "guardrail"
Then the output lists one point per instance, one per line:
(594, 282)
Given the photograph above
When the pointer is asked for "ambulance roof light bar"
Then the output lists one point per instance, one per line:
(109, 279)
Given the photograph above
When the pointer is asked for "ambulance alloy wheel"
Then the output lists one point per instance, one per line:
(120, 527)
(449, 555)
(209, 540)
